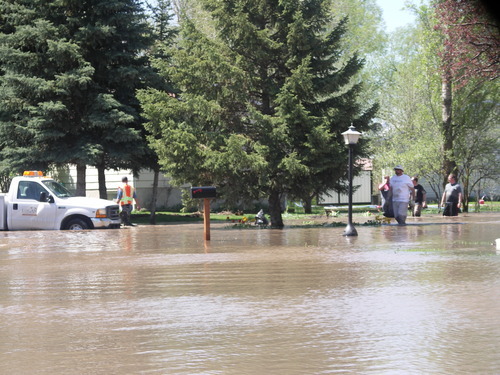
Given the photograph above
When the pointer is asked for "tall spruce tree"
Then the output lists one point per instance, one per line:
(164, 32)
(68, 76)
(43, 76)
(113, 36)
(262, 105)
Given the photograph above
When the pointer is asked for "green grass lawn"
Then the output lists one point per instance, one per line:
(142, 217)
(179, 217)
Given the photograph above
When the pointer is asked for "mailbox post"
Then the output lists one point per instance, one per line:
(205, 192)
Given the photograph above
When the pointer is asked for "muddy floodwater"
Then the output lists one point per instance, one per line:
(420, 299)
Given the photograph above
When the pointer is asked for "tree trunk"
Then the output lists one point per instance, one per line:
(81, 182)
(477, 205)
(465, 191)
(152, 216)
(275, 209)
(308, 205)
(449, 164)
(101, 176)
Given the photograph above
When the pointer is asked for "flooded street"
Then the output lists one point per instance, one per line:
(420, 299)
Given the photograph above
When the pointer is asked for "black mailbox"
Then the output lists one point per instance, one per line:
(203, 192)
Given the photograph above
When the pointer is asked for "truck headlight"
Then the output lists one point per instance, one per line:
(101, 213)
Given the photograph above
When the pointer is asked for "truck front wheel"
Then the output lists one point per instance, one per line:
(77, 224)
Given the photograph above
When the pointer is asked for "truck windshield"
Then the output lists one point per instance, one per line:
(56, 188)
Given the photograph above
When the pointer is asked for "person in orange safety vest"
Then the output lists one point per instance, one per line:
(125, 197)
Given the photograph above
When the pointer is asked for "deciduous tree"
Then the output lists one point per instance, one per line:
(431, 128)
(471, 39)
(470, 47)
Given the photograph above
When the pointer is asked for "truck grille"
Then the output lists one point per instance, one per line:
(113, 212)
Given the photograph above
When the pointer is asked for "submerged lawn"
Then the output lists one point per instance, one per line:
(362, 212)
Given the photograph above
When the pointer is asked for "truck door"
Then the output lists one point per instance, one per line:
(27, 212)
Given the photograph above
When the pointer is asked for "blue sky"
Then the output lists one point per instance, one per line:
(393, 15)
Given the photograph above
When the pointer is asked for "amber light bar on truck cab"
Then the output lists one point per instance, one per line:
(33, 174)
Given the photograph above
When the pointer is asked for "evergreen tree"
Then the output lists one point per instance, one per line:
(42, 78)
(113, 36)
(263, 103)
(164, 33)
(68, 78)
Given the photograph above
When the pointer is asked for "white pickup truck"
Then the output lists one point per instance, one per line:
(37, 202)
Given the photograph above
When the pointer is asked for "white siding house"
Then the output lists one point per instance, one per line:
(362, 188)
(169, 197)
(143, 183)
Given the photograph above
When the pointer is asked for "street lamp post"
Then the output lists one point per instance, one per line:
(351, 137)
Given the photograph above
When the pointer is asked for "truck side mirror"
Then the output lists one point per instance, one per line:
(45, 198)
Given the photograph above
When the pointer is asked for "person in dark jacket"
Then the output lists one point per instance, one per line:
(420, 198)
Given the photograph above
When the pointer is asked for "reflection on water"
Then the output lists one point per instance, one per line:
(420, 299)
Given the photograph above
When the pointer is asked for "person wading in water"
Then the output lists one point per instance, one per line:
(125, 197)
